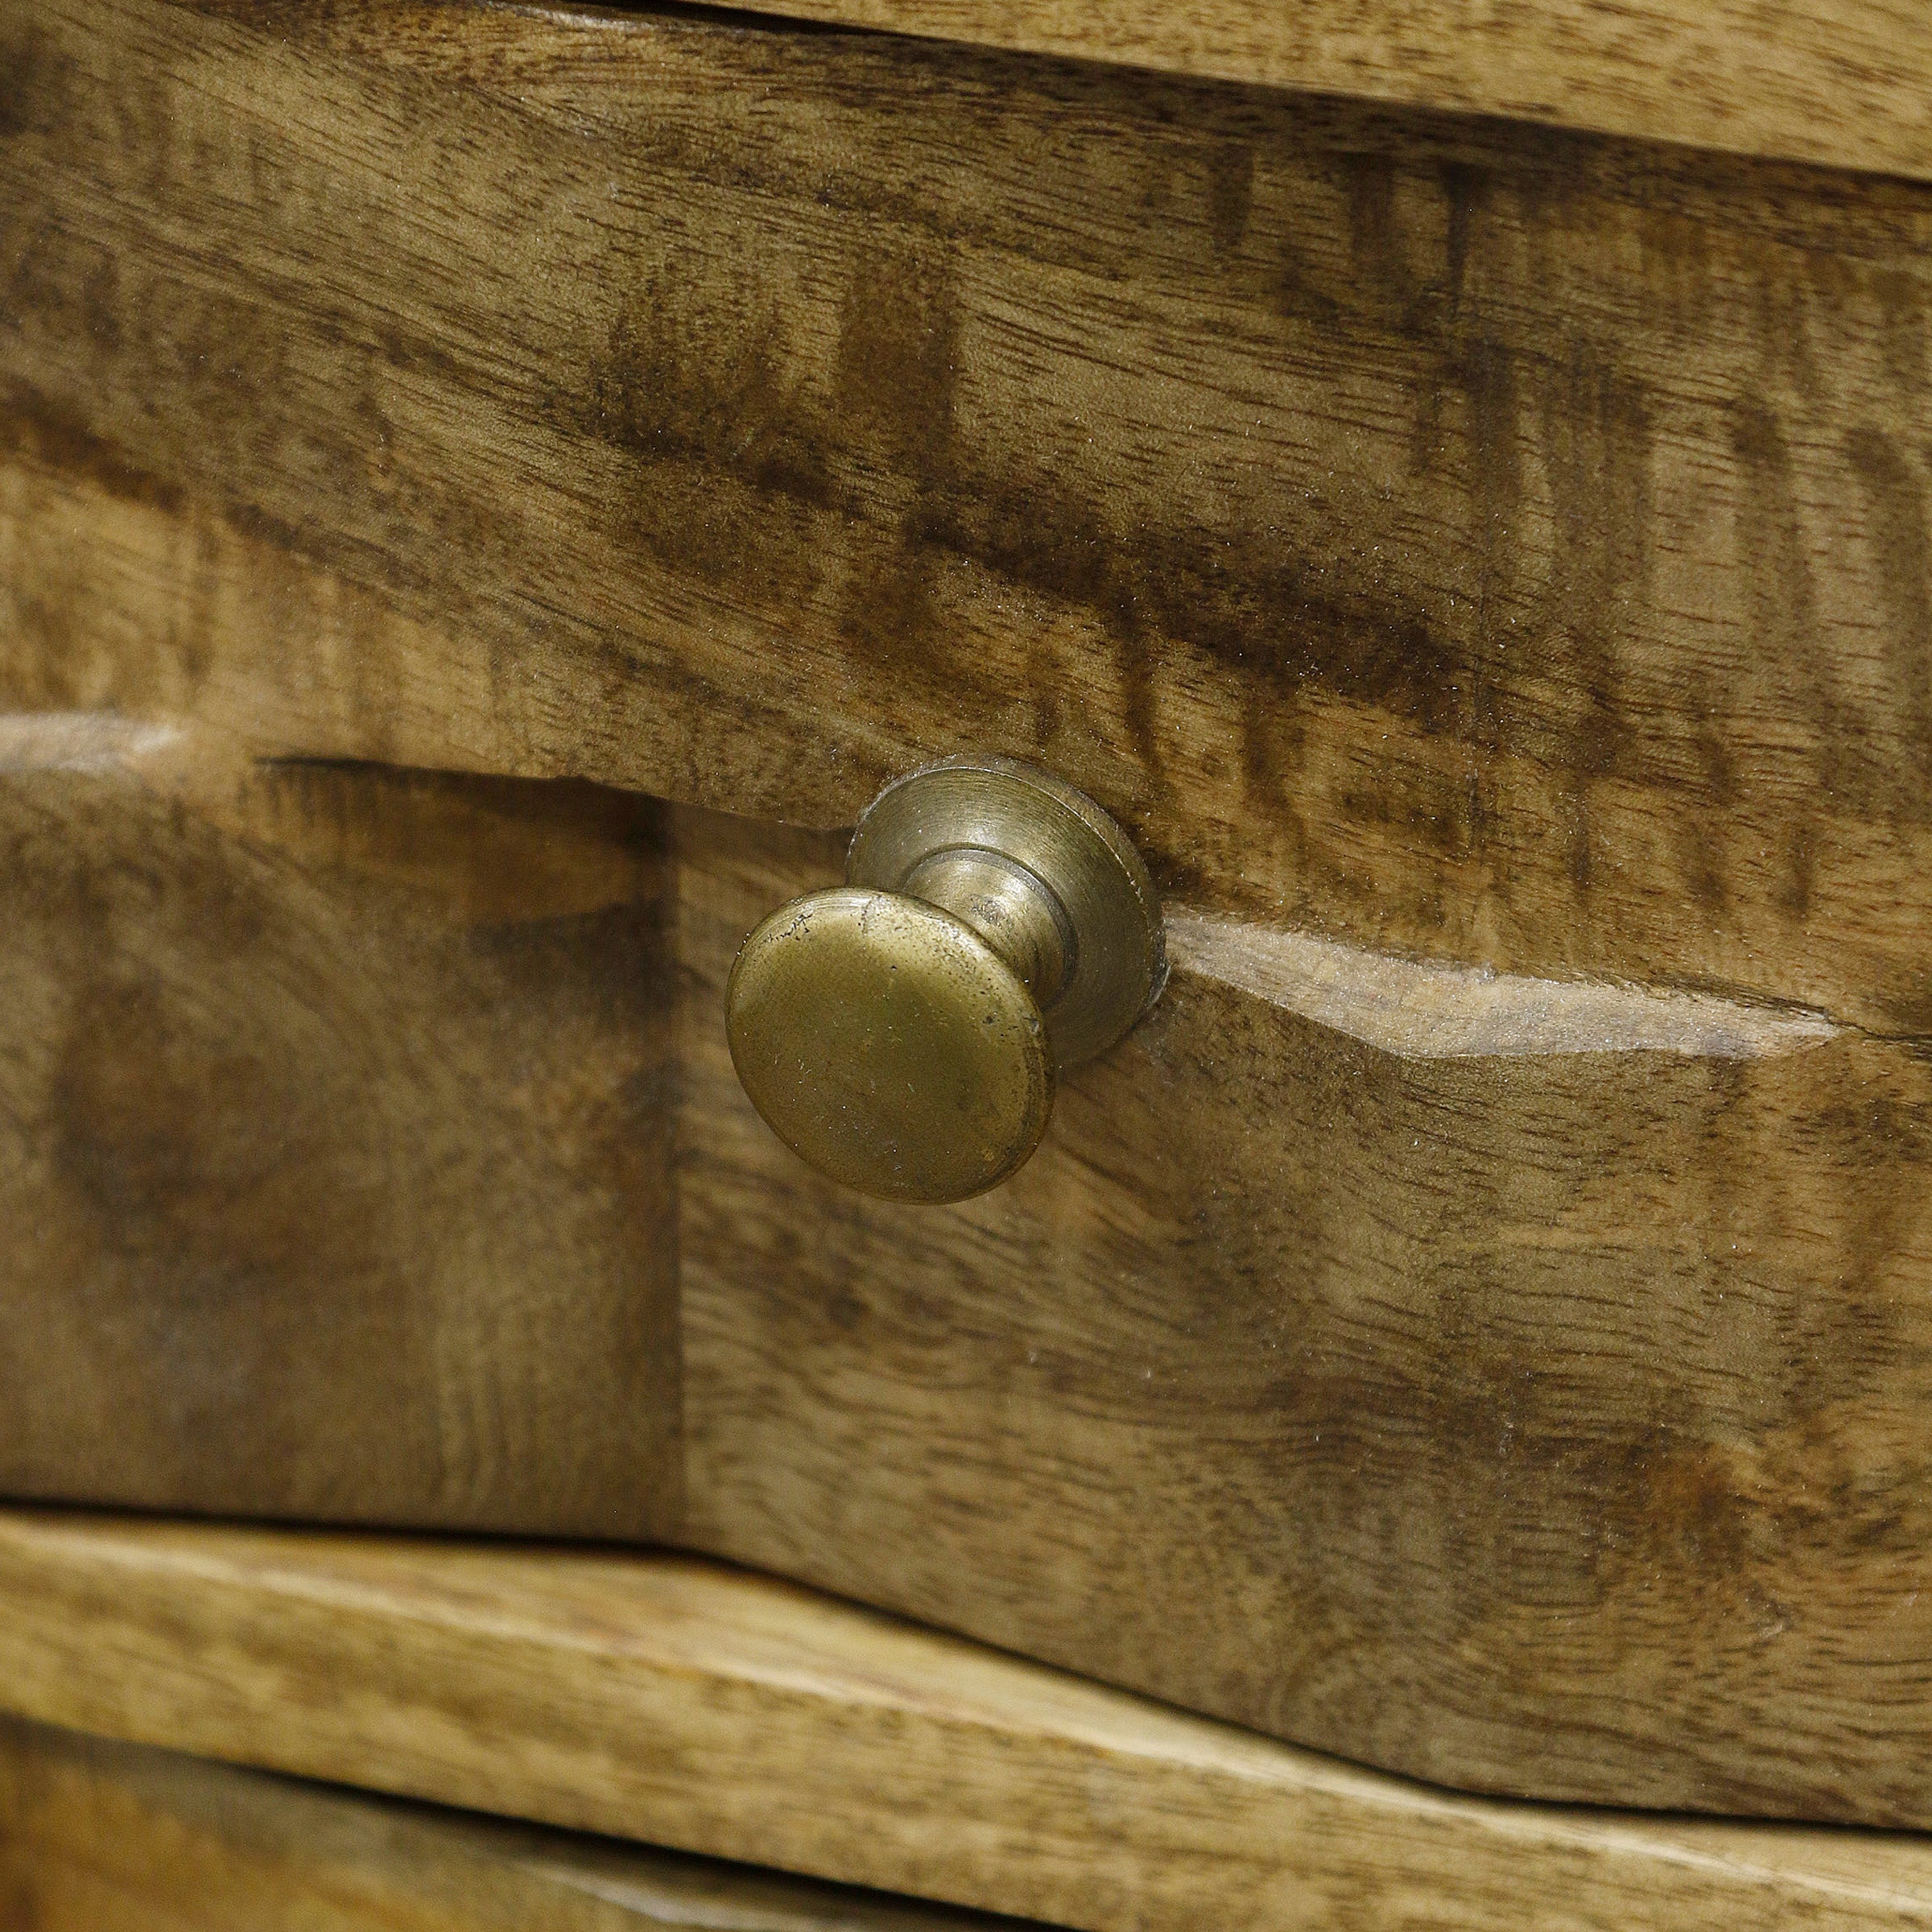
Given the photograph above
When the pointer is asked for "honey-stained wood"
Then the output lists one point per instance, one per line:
(1499, 547)
(102, 1837)
(1472, 541)
(1845, 82)
(1521, 1384)
(333, 1160)
(655, 1696)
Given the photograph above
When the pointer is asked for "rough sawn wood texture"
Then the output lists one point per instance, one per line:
(1503, 547)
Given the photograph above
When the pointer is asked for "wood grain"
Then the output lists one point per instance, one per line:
(657, 1697)
(333, 1150)
(1845, 83)
(101, 1837)
(1502, 547)
(1461, 540)
(1520, 1385)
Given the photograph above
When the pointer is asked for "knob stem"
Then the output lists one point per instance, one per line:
(1009, 906)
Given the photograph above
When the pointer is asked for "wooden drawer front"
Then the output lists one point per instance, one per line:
(333, 1157)
(1484, 548)
(1484, 543)
(1523, 1393)
(99, 1837)
(1548, 1420)
(660, 1697)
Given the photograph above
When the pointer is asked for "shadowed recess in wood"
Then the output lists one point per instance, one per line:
(102, 1837)
(1840, 81)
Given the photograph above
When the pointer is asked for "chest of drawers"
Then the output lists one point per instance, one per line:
(489, 496)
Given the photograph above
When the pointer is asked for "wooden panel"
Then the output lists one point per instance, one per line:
(1528, 1386)
(101, 1837)
(1476, 541)
(654, 1695)
(332, 1159)
(1845, 82)
(1485, 544)
(1519, 1385)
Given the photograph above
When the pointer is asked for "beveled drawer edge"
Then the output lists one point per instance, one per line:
(662, 1697)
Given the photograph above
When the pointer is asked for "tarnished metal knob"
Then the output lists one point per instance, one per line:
(902, 1032)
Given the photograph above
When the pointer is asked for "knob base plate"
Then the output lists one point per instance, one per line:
(1118, 962)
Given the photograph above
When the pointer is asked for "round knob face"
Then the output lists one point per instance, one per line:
(886, 1042)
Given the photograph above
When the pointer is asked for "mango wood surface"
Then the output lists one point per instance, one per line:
(659, 1697)
(1520, 1385)
(1845, 82)
(1474, 541)
(334, 1162)
(102, 1837)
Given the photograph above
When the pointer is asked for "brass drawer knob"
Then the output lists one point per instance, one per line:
(902, 1032)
